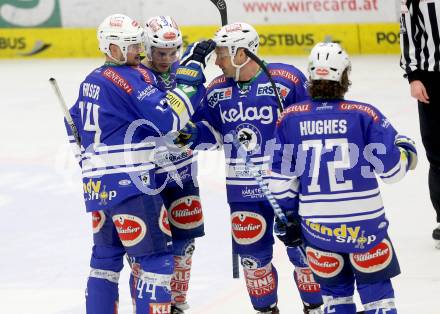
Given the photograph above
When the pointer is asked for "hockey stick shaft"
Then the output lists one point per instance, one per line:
(66, 112)
(222, 9)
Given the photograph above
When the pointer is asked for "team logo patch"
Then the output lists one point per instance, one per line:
(376, 259)
(131, 229)
(247, 227)
(164, 224)
(305, 281)
(98, 220)
(186, 212)
(324, 264)
(249, 137)
(160, 308)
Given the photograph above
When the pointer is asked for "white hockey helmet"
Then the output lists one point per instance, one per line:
(119, 30)
(162, 32)
(237, 35)
(327, 61)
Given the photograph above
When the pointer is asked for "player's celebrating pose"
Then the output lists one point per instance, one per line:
(242, 101)
(332, 149)
(176, 170)
(120, 119)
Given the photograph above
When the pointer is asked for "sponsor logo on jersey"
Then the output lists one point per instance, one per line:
(94, 191)
(358, 107)
(376, 259)
(164, 223)
(324, 264)
(98, 220)
(254, 192)
(218, 80)
(144, 72)
(186, 212)
(305, 281)
(218, 95)
(267, 90)
(124, 182)
(118, 80)
(294, 109)
(324, 106)
(131, 229)
(160, 308)
(247, 227)
(285, 74)
(263, 114)
(176, 103)
(261, 281)
(342, 233)
(147, 92)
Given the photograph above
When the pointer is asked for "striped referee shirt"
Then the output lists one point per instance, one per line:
(419, 37)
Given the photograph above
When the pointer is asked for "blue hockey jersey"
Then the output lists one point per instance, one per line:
(250, 110)
(179, 165)
(331, 152)
(120, 119)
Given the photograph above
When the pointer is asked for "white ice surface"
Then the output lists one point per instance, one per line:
(45, 234)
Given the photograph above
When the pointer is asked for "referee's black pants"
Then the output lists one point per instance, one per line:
(429, 115)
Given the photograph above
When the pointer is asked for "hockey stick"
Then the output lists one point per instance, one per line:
(221, 7)
(66, 112)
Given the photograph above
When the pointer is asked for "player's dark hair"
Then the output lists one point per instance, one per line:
(329, 89)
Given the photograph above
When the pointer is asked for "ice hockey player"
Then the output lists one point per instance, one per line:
(177, 183)
(243, 101)
(119, 117)
(333, 149)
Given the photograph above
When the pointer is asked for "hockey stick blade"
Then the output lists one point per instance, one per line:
(222, 9)
(66, 112)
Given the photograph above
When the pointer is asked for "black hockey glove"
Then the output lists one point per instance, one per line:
(187, 136)
(198, 52)
(289, 234)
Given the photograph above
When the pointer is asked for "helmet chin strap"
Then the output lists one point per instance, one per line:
(238, 67)
(119, 62)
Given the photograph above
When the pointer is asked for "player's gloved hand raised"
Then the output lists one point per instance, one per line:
(408, 147)
(187, 136)
(289, 234)
(198, 52)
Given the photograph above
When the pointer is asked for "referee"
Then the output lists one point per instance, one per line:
(420, 58)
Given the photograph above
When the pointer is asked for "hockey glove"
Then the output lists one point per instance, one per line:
(408, 147)
(187, 136)
(199, 53)
(289, 234)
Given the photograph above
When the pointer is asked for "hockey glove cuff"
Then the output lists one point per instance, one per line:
(289, 234)
(408, 147)
(187, 136)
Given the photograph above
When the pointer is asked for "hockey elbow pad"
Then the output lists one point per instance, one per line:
(408, 149)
